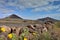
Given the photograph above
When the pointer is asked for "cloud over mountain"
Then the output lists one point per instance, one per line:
(15, 6)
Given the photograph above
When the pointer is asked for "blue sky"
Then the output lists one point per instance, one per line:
(30, 9)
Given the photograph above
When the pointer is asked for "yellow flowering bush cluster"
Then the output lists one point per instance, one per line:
(22, 36)
(25, 38)
(2, 29)
(10, 35)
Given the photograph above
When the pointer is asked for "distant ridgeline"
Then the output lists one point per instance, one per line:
(13, 16)
(14, 20)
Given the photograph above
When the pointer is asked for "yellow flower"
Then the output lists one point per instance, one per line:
(25, 38)
(10, 35)
(34, 33)
(3, 29)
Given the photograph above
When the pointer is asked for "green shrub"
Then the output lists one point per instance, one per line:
(57, 24)
(46, 36)
(24, 33)
(14, 37)
(1, 38)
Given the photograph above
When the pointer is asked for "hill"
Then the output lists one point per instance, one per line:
(47, 19)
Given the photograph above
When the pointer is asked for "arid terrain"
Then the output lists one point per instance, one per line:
(22, 29)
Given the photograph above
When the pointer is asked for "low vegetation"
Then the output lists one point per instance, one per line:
(57, 24)
(25, 34)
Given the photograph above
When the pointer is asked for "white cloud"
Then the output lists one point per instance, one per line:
(36, 4)
(56, 16)
(46, 8)
(3, 10)
(53, 15)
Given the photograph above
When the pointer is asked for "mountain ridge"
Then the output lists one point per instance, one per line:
(16, 17)
(13, 16)
(47, 19)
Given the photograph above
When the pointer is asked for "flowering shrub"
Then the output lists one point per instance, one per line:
(10, 35)
(25, 38)
(25, 33)
(2, 29)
